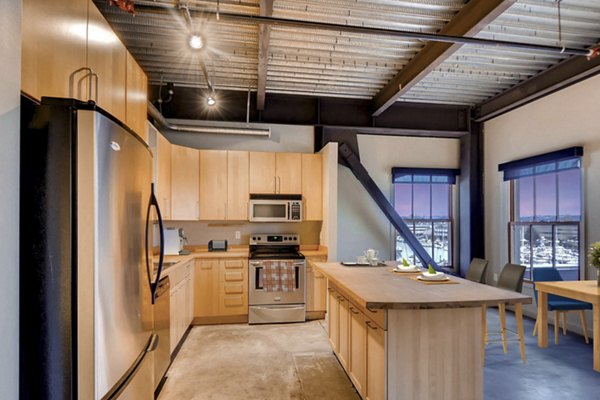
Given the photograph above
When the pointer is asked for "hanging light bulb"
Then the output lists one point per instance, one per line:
(211, 101)
(196, 42)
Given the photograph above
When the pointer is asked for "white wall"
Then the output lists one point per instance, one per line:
(10, 84)
(284, 138)
(361, 224)
(564, 119)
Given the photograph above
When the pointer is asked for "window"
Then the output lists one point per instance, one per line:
(546, 211)
(423, 198)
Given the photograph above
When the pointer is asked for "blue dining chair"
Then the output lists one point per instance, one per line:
(559, 304)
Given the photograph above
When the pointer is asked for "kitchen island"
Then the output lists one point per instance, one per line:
(399, 338)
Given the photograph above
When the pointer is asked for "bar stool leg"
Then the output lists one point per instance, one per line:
(502, 312)
(535, 327)
(564, 322)
(519, 318)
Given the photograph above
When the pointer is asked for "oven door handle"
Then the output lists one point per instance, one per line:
(254, 262)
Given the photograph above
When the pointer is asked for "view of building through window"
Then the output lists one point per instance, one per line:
(545, 226)
(426, 209)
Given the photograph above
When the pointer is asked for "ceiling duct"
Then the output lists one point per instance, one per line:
(220, 130)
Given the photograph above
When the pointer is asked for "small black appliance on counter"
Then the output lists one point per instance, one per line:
(217, 245)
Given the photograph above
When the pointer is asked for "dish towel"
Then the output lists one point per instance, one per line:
(287, 274)
(269, 276)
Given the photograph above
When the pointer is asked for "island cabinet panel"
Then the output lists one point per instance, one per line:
(438, 346)
(376, 386)
(312, 187)
(213, 184)
(262, 172)
(54, 46)
(233, 294)
(107, 57)
(357, 368)
(185, 183)
(344, 332)
(288, 167)
(333, 319)
(206, 278)
(181, 302)
(237, 186)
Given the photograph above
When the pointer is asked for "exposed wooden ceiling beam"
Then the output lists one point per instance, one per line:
(266, 10)
(470, 20)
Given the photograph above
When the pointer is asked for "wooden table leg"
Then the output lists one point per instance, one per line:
(596, 312)
(543, 319)
(519, 318)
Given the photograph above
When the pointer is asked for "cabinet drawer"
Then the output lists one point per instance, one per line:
(233, 301)
(233, 288)
(377, 316)
(233, 276)
(233, 264)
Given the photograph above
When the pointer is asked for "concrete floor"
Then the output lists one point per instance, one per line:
(266, 362)
(294, 361)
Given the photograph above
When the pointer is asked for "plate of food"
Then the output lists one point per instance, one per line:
(405, 266)
(432, 275)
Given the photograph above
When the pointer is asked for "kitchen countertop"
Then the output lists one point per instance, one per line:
(313, 251)
(378, 287)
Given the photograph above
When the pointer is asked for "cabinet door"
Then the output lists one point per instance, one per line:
(358, 350)
(54, 40)
(344, 332)
(319, 289)
(262, 172)
(234, 287)
(206, 288)
(136, 97)
(185, 182)
(213, 184)
(312, 187)
(107, 56)
(174, 314)
(162, 159)
(334, 320)
(376, 368)
(310, 287)
(289, 173)
(190, 294)
(237, 185)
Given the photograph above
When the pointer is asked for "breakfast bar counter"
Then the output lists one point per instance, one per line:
(401, 338)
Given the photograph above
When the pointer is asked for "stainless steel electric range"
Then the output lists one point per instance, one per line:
(277, 276)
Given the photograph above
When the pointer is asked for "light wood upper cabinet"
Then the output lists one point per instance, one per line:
(237, 185)
(213, 184)
(107, 56)
(162, 182)
(136, 96)
(262, 172)
(312, 187)
(54, 40)
(288, 169)
(206, 288)
(185, 183)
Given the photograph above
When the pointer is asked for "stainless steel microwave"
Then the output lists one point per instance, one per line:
(275, 208)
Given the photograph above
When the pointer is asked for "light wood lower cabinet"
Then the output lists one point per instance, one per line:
(359, 343)
(181, 302)
(221, 288)
(316, 286)
(206, 301)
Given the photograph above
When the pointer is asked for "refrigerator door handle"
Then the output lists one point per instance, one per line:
(154, 203)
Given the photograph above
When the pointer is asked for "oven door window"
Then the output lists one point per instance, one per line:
(269, 211)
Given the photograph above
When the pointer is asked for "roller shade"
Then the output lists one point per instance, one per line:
(424, 175)
(556, 161)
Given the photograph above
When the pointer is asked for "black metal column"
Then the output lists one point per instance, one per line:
(471, 220)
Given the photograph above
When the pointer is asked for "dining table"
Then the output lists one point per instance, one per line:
(588, 291)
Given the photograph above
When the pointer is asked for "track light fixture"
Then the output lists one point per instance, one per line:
(211, 101)
(196, 42)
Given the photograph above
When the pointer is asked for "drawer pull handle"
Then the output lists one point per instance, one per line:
(353, 311)
(371, 326)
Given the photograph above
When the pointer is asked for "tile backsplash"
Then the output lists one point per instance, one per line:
(200, 232)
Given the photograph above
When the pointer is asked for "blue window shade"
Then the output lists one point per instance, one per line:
(424, 175)
(561, 160)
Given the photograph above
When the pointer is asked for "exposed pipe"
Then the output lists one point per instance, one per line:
(163, 123)
(434, 37)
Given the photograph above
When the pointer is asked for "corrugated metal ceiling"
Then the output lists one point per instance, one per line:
(351, 65)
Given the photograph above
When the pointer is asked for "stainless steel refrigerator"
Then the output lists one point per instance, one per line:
(87, 287)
